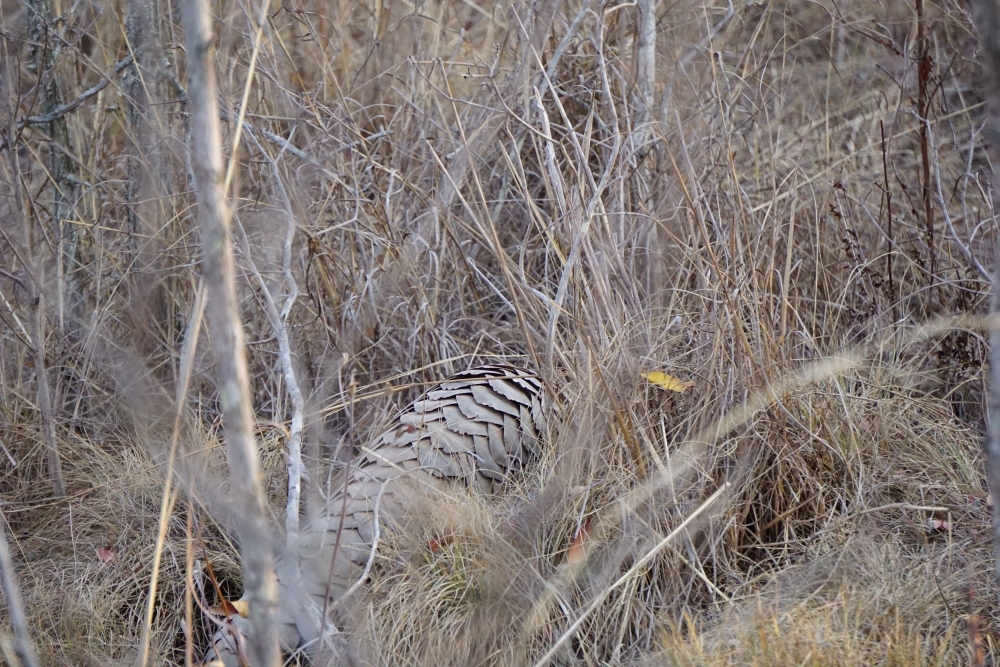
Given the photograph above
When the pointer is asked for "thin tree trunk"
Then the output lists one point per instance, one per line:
(150, 167)
(42, 18)
(214, 218)
(644, 139)
(923, 112)
(987, 14)
(24, 648)
(36, 326)
(645, 73)
(41, 15)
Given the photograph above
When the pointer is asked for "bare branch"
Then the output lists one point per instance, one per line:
(219, 271)
(963, 247)
(564, 44)
(69, 107)
(279, 322)
(567, 271)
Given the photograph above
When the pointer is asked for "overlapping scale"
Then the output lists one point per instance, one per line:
(473, 430)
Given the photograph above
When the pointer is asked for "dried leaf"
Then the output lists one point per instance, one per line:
(435, 544)
(938, 524)
(577, 552)
(107, 556)
(242, 607)
(668, 382)
(231, 608)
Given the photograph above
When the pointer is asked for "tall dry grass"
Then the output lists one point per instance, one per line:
(471, 181)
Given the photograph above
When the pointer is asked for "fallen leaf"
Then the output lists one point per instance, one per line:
(242, 607)
(441, 541)
(938, 524)
(107, 556)
(668, 382)
(230, 608)
(577, 552)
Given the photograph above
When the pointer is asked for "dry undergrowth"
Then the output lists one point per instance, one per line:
(473, 181)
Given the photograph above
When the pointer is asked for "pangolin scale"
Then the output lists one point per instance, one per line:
(472, 431)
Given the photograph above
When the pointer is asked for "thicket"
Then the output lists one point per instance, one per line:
(786, 204)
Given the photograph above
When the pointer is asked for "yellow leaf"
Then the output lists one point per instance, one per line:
(242, 607)
(668, 382)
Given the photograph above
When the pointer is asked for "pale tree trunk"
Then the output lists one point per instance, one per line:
(42, 20)
(41, 16)
(151, 168)
(645, 73)
(644, 137)
(987, 13)
(37, 329)
(219, 271)
(24, 648)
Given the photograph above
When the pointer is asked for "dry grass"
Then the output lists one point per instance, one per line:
(446, 212)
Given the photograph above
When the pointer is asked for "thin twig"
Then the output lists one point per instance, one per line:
(564, 43)
(924, 66)
(376, 534)
(887, 195)
(279, 324)
(963, 248)
(69, 107)
(557, 306)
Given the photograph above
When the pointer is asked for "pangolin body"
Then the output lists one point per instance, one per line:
(472, 431)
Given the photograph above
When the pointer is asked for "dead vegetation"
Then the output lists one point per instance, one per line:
(471, 181)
